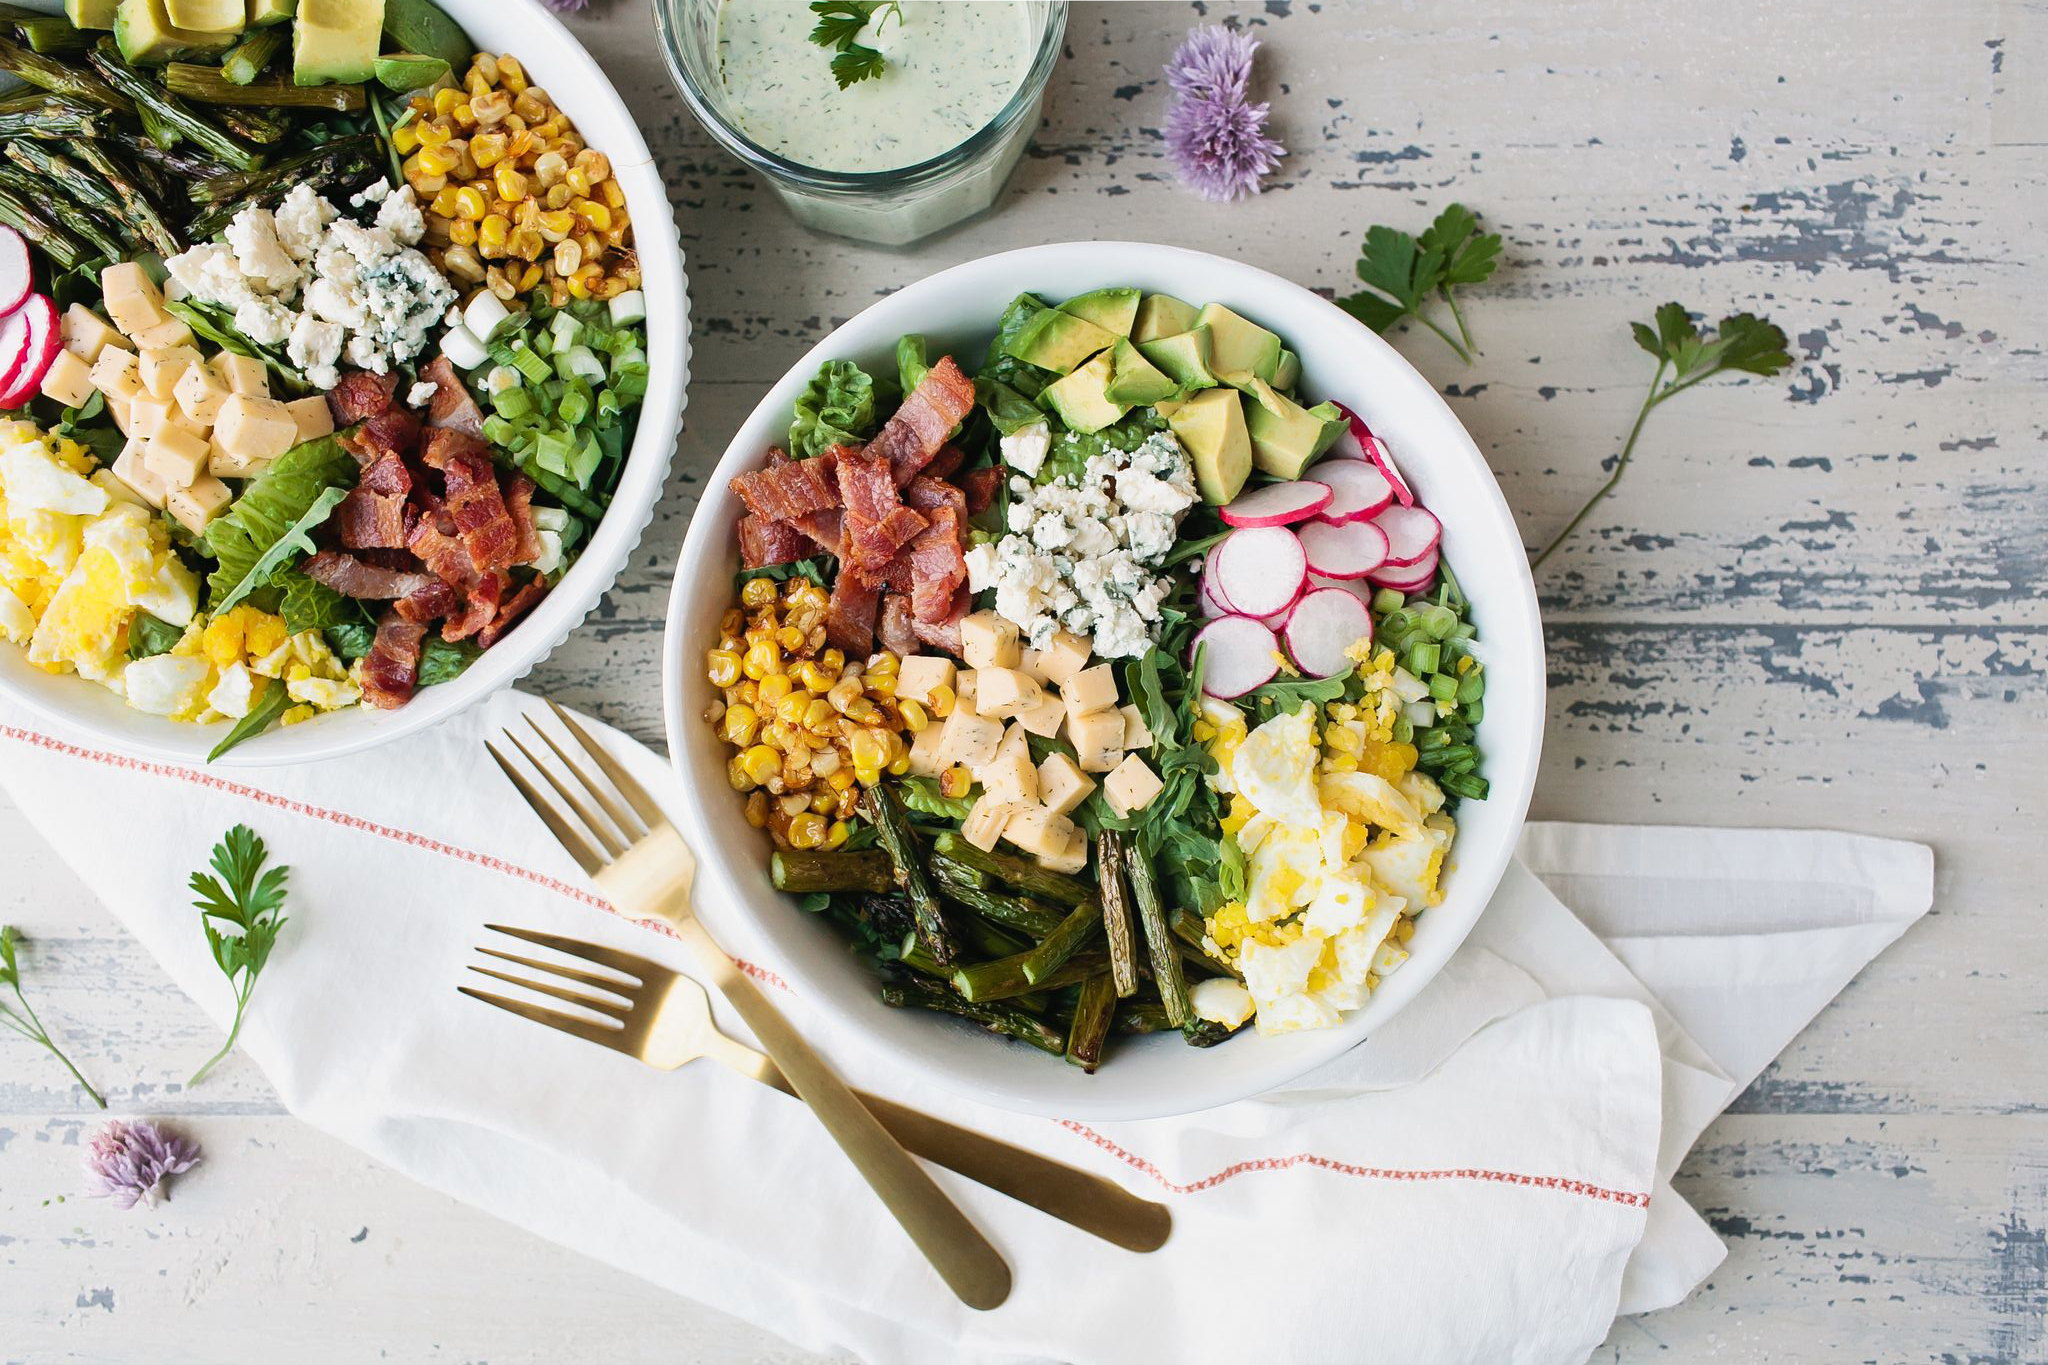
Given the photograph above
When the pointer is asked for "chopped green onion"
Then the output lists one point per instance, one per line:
(1472, 686)
(1442, 686)
(1423, 659)
(531, 365)
(1386, 601)
(512, 404)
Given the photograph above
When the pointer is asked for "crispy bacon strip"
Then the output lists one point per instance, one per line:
(519, 505)
(509, 612)
(351, 577)
(850, 616)
(945, 634)
(791, 489)
(898, 637)
(367, 519)
(912, 436)
(771, 542)
(451, 406)
(391, 668)
(360, 396)
(478, 508)
(443, 443)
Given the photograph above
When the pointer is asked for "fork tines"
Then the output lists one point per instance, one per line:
(614, 1026)
(620, 823)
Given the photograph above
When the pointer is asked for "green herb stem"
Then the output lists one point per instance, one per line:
(1628, 450)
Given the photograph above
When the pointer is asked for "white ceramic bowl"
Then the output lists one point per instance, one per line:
(559, 64)
(1159, 1075)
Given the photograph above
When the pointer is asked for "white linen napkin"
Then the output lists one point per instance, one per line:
(1486, 1180)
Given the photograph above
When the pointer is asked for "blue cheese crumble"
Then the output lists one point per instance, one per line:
(321, 285)
(1083, 553)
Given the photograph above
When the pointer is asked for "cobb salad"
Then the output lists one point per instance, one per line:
(1110, 689)
(321, 349)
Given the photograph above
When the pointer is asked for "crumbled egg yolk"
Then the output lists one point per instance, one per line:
(1344, 843)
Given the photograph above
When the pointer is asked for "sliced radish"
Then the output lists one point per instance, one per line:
(1212, 605)
(17, 274)
(1277, 504)
(1411, 533)
(1324, 624)
(1410, 578)
(1260, 569)
(1357, 587)
(1240, 655)
(1358, 491)
(1370, 447)
(41, 341)
(13, 347)
(1352, 550)
(1212, 587)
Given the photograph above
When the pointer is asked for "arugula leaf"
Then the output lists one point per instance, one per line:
(274, 518)
(818, 568)
(274, 702)
(1407, 271)
(246, 899)
(148, 636)
(836, 408)
(1744, 343)
(441, 660)
(23, 1020)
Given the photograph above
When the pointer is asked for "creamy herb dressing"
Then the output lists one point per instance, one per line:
(952, 67)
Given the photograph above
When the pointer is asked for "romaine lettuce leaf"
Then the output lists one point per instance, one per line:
(273, 521)
(836, 408)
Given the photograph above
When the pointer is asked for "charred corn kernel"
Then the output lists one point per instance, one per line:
(549, 168)
(529, 277)
(597, 215)
(443, 203)
(511, 182)
(790, 638)
(531, 104)
(863, 711)
(405, 139)
(838, 833)
(792, 709)
(824, 800)
(815, 679)
(487, 150)
(761, 763)
(741, 723)
(557, 197)
(490, 107)
(772, 689)
(464, 116)
(614, 194)
(758, 593)
(568, 258)
(869, 750)
(462, 262)
(825, 763)
(722, 667)
(881, 685)
(510, 74)
(839, 779)
(820, 718)
(954, 782)
(446, 99)
(757, 809)
(595, 165)
(793, 805)
(434, 160)
(493, 233)
(525, 244)
(469, 203)
(807, 830)
(462, 232)
(832, 661)
(433, 132)
(555, 225)
(899, 766)
(297, 714)
(578, 180)
(884, 662)
(737, 776)
(942, 699)
(915, 717)
(843, 693)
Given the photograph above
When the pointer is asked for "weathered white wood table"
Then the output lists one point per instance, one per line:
(1816, 601)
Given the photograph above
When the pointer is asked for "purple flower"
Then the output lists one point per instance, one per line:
(126, 1162)
(1215, 137)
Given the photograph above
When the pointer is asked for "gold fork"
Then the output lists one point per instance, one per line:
(645, 869)
(663, 1018)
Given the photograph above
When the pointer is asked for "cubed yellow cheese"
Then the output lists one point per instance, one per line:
(197, 505)
(918, 674)
(986, 820)
(1098, 739)
(1091, 689)
(968, 739)
(117, 374)
(1001, 693)
(160, 368)
(245, 374)
(1060, 660)
(1040, 831)
(68, 380)
(1044, 719)
(1069, 859)
(200, 393)
(86, 333)
(117, 408)
(166, 334)
(989, 641)
(254, 428)
(175, 455)
(1130, 786)
(131, 297)
(147, 416)
(963, 686)
(225, 464)
(313, 417)
(1010, 774)
(130, 469)
(1137, 735)
(924, 751)
(1062, 786)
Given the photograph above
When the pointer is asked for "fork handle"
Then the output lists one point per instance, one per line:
(972, 1268)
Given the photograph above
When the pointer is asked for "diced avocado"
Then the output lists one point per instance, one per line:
(1288, 373)
(1134, 379)
(1238, 347)
(1183, 357)
(407, 71)
(91, 13)
(207, 16)
(1286, 437)
(1166, 407)
(1113, 310)
(266, 12)
(1211, 427)
(334, 42)
(145, 34)
(423, 27)
(1058, 341)
(1162, 315)
(1082, 398)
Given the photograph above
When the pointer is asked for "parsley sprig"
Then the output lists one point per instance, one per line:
(1743, 342)
(1409, 271)
(839, 27)
(23, 1020)
(246, 899)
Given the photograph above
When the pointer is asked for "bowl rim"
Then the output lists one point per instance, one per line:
(1519, 755)
(664, 283)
